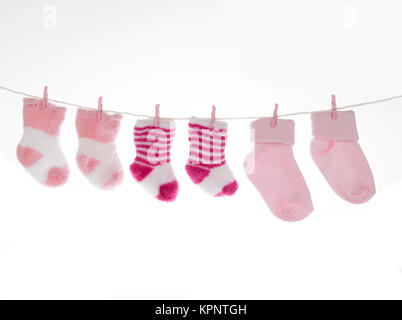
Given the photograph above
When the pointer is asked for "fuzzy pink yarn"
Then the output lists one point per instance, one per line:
(46, 117)
(101, 128)
(39, 150)
(96, 156)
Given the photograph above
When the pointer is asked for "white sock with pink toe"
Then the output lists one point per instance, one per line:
(96, 156)
(39, 149)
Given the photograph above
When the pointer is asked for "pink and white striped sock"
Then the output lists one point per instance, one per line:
(39, 150)
(206, 166)
(151, 167)
(96, 156)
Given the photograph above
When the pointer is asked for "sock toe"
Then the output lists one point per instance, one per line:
(360, 195)
(168, 191)
(115, 180)
(228, 190)
(57, 176)
(293, 211)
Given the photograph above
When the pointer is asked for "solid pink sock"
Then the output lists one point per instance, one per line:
(338, 155)
(272, 169)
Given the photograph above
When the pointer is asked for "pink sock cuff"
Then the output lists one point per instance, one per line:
(343, 127)
(102, 128)
(47, 118)
(263, 131)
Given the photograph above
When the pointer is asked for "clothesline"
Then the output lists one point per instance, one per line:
(188, 118)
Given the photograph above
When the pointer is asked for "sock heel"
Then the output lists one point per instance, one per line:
(320, 147)
(139, 172)
(27, 156)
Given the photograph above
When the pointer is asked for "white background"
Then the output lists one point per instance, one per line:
(243, 56)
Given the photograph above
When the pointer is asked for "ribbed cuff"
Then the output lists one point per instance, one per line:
(282, 132)
(343, 127)
(163, 123)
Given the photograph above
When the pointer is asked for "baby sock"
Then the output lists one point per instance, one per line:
(206, 166)
(151, 167)
(338, 155)
(39, 151)
(272, 169)
(96, 156)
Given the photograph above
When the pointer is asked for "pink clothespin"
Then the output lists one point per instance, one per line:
(157, 107)
(100, 107)
(333, 114)
(44, 101)
(275, 117)
(213, 115)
